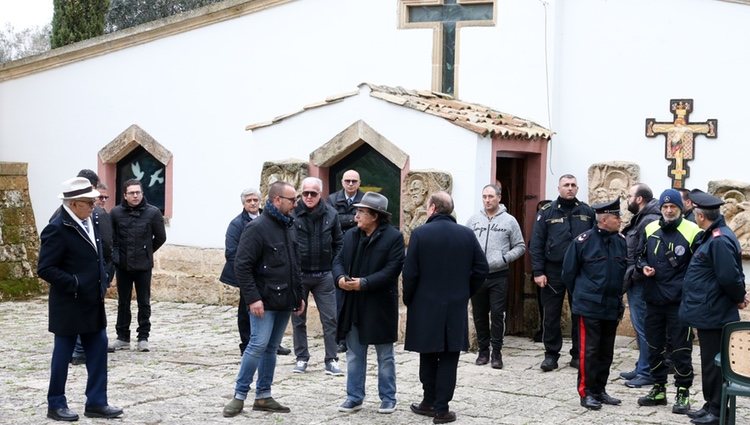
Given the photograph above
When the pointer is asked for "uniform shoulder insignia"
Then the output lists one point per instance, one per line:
(545, 206)
(583, 237)
(621, 235)
(716, 233)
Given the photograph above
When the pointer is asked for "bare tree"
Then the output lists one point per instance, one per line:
(26, 42)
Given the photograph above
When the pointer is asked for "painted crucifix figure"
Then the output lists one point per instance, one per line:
(680, 135)
(445, 18)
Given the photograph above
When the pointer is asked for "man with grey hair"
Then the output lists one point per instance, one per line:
(500, 237)
(250, 199)
(319, 240)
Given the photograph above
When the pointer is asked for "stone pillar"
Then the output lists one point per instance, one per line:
(19, 240)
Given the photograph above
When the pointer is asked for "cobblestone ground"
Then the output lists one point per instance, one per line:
(189, 375)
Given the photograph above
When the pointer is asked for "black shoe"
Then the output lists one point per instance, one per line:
(483, 358)
(697, 413)
(605, 398)
(76, 360)
(342, 347)
(590, 402)
(283, 351)
(444, 417)
(62, 414)
(537, 336)
(423, 409)
(107, 412)
(574, 363)
(496, 361)
(707, 419)
(549, 364)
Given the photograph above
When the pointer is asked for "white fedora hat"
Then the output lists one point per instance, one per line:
(78, 187)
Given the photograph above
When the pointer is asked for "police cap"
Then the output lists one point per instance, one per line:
(705, 201)
(608, 207)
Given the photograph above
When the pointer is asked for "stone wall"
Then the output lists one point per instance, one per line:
(19, 240)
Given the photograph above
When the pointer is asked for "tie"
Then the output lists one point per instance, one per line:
(85, 225)
(349, 201)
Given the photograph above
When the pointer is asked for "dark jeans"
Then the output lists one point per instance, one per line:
(662, 323)
(437, 373)
(553, 296)
(710, 342)
(322, 288)
(243, 323)
(141, 279)
(489, 303)
(597, 344)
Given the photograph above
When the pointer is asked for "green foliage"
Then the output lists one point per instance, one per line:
(16, 289)
(76, 20)
(129, 13)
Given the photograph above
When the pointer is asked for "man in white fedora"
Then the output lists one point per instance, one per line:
(71, 261)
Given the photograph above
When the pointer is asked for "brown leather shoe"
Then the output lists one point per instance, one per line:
(482, 359)
(444, 417)
(423, 409)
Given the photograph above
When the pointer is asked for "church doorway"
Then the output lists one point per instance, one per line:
(141, 165)
(511, 173)
(377, 174)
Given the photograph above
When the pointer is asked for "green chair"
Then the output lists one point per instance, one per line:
(735, 368)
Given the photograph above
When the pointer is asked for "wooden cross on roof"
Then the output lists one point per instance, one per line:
(445, 18)
(680, 138)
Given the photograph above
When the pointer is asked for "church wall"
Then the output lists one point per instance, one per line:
(620, 62)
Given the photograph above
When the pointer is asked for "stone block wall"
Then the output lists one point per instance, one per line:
(19, 240)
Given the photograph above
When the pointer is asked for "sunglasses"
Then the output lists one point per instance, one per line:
(310, 194)
(103, 198)
(351, 181)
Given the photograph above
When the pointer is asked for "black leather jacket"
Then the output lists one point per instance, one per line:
(319, 236)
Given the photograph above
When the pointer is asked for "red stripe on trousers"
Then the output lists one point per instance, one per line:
(581, 357)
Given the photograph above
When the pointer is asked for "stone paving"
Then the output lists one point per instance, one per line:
(189, 376)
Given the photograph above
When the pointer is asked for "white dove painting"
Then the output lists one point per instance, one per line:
(136, 168)
(155, 177)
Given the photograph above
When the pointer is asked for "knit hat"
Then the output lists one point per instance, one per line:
(671, 196)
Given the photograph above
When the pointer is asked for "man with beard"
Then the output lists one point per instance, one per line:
(645, 208)
(664, 260)
(557, 224)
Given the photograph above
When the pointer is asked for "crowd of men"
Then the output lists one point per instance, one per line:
(677, 274)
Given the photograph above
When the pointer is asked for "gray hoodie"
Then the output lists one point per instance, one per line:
(499, 236)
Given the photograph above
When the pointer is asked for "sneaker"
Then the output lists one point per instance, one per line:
(639, 381)
(681, 401)
(349, 406)
(387, 407)
(301, 367)
(118, 345)
(143, 345)
(656, 397)
(269, 405)
(332, 368)
(233, 408)
(628, 375)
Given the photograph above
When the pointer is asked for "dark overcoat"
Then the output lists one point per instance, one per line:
(74, 269)
(374, 309)
(444, 267)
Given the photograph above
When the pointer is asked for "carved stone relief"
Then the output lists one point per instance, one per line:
(736, 209)
(608, 180)
(292, 171)
(415, 192)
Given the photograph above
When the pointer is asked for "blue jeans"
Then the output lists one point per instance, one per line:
(637, 305)
(356, 369)
(321, 286)
(260, 354)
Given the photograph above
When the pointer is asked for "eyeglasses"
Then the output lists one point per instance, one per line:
(89, 202)
(134, 193)
(310, 194)
(351, 181)
(103, 198)
(287, 198)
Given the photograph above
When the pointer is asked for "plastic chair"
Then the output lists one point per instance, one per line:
(735, 368)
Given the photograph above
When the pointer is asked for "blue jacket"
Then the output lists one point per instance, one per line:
(74, 269)
(593, 272)
(714, 281)
(668, 249)
(231, 240)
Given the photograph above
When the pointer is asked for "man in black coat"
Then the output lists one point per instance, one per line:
(71, 261)
(438, 283)
(367, 270)
(138, 231)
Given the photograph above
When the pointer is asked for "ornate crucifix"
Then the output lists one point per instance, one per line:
(680, 135)
(445, 18)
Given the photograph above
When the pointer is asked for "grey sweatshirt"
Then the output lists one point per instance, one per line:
(500, 237)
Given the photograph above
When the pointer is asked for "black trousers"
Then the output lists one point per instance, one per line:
(489, 303)
(662, 324)
(597, 345)
(243, 323)
(553, 296)
(437, 372)
(141, 279)
(709, 341)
